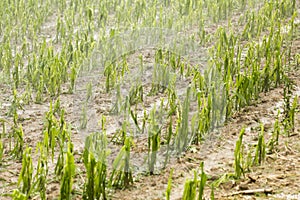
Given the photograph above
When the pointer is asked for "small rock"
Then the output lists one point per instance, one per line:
(243, 187)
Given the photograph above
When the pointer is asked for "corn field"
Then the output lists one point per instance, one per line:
(135, 99)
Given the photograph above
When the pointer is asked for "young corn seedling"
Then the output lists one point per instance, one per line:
(144, 120)
(292, 113)
(134, 117)
(223, 179)
(39, 94)
(266, 74)
(120, 136)
(73, 77)
(154, 134)
(110, 73)
(116, 109)
(161, 74)
(190, 188)
(41, 172)
(169, 137)
(89, 91)
(95, 187)
(57, 108)
(122, 174)
(288, 111)
(204, 123)
(17, 195)
(90, 165)
(277, 71)
(212, 193)
(83, 117)
(95, 161)
(275, 135)
(15, 104)
(50, 132)
(25, 178)
(297, 58)
(68, 174)
(169, 187)
(238, 156)
(172, 103)
(18, 135)
(260, 152)
(18, 64)
(202, 182)
(183, 138)
(1, 151)
(125, 108)
(136, 94)
(62, 136)
(55, 133)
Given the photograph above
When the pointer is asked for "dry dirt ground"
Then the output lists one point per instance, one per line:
(279, 175)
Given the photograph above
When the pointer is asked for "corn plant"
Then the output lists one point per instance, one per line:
(46, 68)
(183, 138)
(144, 120)
(223, 179)
(95, 156)
(297, 58)
(17, 195)
(212, 193)
(120, 136)
(154, 134)
(126, 109)
(16, 104)
(83, 117)
(50, 132)
(136, 94)
(116, 109)
(161, 74)
(41, 172)
(18, 135)
(172, 103)
(57, 107)
(73, 76)
(89, 91)
(260, 152)
(1, 136)
(288, 110)
(169, 187)
(204, 116)
(39, 94)
(61, 139)
(190, 187)
(1, 151)
(25, 178)
(59, 166)
(111, 76)
(275, 135)
(291, 115)
(238, 156)
(68, 174)
(169, 137)
(96, 178)
(3, 121)
(134, 117)
(122, 174)
(202, 181)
